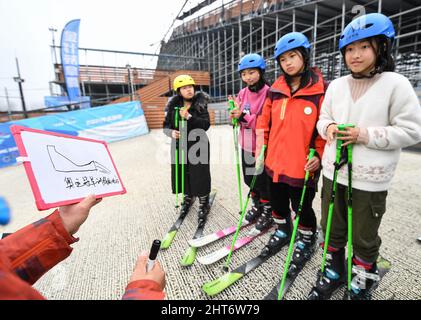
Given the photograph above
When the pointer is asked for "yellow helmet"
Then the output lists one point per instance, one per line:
(183, 80)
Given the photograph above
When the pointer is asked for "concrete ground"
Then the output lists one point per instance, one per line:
(121, 227)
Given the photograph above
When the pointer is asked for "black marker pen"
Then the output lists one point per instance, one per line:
(156, 245)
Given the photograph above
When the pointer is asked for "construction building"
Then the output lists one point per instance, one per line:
(209, 46)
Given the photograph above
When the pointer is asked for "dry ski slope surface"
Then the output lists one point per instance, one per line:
(121, 227)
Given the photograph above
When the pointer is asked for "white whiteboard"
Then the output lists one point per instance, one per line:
(65, 169)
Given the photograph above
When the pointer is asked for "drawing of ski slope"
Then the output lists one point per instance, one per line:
(62, 163)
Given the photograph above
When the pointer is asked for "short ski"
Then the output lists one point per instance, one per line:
(214, 287)
(223, 252)
(190, 255)
(169, 237)
(205, 240)
(292, 274)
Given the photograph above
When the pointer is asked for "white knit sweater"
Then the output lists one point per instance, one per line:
(389, 112)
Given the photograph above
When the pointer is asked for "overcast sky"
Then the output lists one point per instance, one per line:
(126, 25)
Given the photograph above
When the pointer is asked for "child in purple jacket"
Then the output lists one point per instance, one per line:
(249, 103)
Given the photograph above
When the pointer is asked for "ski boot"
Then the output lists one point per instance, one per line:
(280, 237)
(364, 282)
(255, 211)
(332, 278)
(204, 209)
(186, 205)
(305, 246)
(265, 220)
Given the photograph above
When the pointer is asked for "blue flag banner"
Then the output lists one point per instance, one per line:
(70, 58)
(108, 123)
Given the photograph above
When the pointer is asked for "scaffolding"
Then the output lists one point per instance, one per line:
(222, 36)
(107, 75)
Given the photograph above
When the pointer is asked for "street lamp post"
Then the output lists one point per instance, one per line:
(53, 31)
(130, 82)
(19, 80)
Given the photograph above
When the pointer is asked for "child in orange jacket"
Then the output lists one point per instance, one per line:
(288, 124)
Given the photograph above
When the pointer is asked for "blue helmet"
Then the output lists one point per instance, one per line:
(252, 60)
(291, 41)
(4, 212)
(369, 25)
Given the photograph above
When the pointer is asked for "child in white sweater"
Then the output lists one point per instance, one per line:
(387, 116)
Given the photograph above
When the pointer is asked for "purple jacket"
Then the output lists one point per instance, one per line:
(253, 102)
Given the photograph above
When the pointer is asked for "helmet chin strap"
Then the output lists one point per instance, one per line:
(371, 74)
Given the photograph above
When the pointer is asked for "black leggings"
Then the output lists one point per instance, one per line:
(283, 194)
(261, 188)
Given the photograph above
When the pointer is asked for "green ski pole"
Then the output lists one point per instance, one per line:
(294, 232)
(350, 148)
(177, 145)
(183, 155)
(338, 165)
(237, 153)
(231, 108)
(243, 211)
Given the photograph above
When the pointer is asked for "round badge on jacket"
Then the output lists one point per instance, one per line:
(308, 111)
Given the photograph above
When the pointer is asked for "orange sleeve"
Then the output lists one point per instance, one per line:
(35, 249)
(14, 288)
(143, 290)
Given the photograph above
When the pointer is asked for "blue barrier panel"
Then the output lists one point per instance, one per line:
(60, 102)
(8, 149)
(109, 123)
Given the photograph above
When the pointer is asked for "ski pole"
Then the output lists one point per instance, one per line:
(177, 160)
(341, 159)
(237, 153)
(231, 108)
(350, 218)
(243, 211)
(183, 156)
(294, 232)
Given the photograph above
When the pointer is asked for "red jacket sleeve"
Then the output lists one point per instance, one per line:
(12, 287)
(35, 249)
(143, 290)
(320, 142)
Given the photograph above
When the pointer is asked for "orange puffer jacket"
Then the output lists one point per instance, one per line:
(29, 253)
(287, 126)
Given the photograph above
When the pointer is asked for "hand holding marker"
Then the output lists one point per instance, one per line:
(156, 245)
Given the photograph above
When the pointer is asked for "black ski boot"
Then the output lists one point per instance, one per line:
(305, 246)
(364, 282)
(255, 211)
(204, 209)
(280, 237)
(332, 278)
(265, 220)
(186, 205)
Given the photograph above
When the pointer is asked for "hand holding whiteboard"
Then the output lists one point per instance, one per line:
(63, 169)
